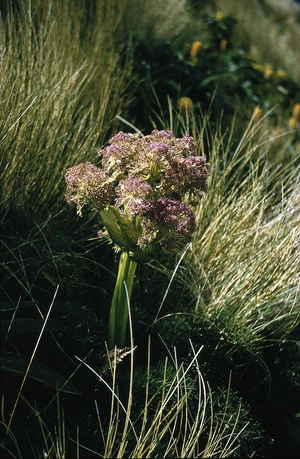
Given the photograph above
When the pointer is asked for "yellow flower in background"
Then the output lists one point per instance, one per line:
(195, 49)
(281, 73)
(185, 104)
(223, 44)
(219, 16)
(296, 112)
(258, 66)
(268, 71)
(257, 114)
(293, 123)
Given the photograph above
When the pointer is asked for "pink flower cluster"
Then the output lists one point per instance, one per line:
(149, 181)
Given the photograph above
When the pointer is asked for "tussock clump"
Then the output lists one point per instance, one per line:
(57, 102)
(245, 254)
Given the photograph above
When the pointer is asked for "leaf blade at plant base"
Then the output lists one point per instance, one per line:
(23, 326)
(17, 364)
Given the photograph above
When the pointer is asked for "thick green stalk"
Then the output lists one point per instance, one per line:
(118, 318)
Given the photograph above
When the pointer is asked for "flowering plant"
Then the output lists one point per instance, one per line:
(143, 192)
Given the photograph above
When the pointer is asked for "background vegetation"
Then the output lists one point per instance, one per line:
(216, 369)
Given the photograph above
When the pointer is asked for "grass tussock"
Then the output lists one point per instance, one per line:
(63, 83)
(176, 417)
(245, 254)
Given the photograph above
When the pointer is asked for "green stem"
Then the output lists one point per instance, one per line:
(118, 318)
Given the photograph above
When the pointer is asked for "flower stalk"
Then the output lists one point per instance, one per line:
(118, 318)
(144, 192)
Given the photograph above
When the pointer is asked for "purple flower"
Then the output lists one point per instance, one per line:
(186, 176)
(130, 191)
(158, 148)
(146, 185)
(172, 221)
(188, 145)
(119, 154)
(85, 183)
(157, 135)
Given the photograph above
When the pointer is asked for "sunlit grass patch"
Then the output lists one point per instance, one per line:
(245, 255)
(62, 86)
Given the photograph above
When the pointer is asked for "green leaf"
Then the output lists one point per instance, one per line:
(121, 229)
(21, 326)
(11, 306)
(17, 364)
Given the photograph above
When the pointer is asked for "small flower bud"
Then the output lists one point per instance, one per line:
(296, 111)
(195, 50)
(185, 105)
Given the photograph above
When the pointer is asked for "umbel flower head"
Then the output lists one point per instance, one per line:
(143, 189)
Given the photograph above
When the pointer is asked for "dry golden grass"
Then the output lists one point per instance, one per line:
(245, 253)
(244, 257)
(63, 83)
